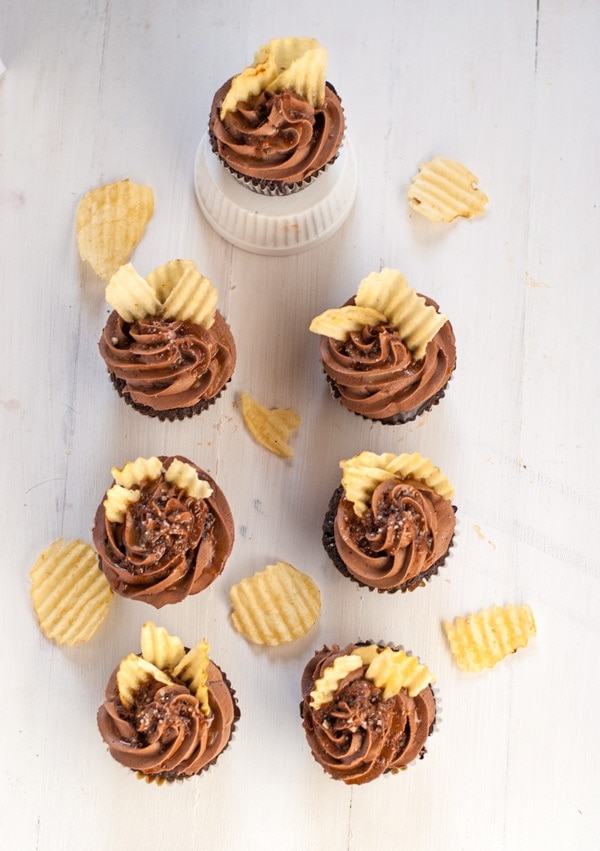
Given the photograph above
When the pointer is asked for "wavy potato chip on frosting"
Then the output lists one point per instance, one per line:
(299, 64)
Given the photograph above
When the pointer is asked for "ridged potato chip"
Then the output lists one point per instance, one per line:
(110, 222)
(339, 322)
(186, 477)
(193, 299)
(165, 278)
(131, 295)
(71, 595)
(444, 189)
(251, 81)
(481, 640)
(117, 501)
(327, 685)
(135, 472)
(296, 63)
(133, 673)
(393, 670)
(306, 75)
(192, 669)
(363, 472)
(270, 427)
(417, 322)
(276, 605)
(159, 648)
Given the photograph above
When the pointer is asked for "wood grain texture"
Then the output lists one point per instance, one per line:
(95, 92)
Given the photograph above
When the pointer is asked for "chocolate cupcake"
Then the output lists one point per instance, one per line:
(366, 709)
(278, 124)
(388, 353)
(390, 525)
(164, 530)
(169, 713)
(168, 350)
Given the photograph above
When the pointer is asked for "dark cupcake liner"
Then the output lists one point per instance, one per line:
(328, 540)
(157, 780)
(170, 414)
(402, 417)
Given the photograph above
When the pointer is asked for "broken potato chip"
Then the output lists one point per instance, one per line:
(481, 640)
(443, 190)
(276, 605)
(110, 222)
(71, 595)
(270, 427)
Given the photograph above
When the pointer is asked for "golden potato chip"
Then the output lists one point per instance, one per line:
(117, 501)
(135, 472)
(363, 472)
(251, 81)
(192, 669)
(193, 299)
(110, 222)
(186, 477)
(483, 639)
(165, 278)
(306, 73)
(417, 322)
(131, 295)
(159, 648)
(270, 427)
(339, 322)
(133, 673)
(276, 605)
(393, 670)
(327, 685)
(444, 189)
(296, 63)
(70, 593)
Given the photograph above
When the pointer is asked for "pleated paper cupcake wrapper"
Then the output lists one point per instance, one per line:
(161, 781)
(419, 581)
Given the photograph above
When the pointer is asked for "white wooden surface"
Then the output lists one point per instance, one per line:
(96, 91)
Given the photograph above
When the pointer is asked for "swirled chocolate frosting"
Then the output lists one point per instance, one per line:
(170, 544)
(358, 736)
(164, 734)
(167, 364)
(277, 137)
(398, 542)
(374, 374)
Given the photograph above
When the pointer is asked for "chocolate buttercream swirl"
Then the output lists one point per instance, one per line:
(374, 374)
(358, 736)
(166, 364)
(279, 136)
(406, 531)
(164, 734)
(170, 544)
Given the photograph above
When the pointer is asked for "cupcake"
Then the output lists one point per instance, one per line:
(279, 123)
(169, 712)
(366, 710)
(388, 353)
(164, 530)
(168, 350)
(390, 524)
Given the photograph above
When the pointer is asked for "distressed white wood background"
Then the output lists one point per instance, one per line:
(97, 91)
